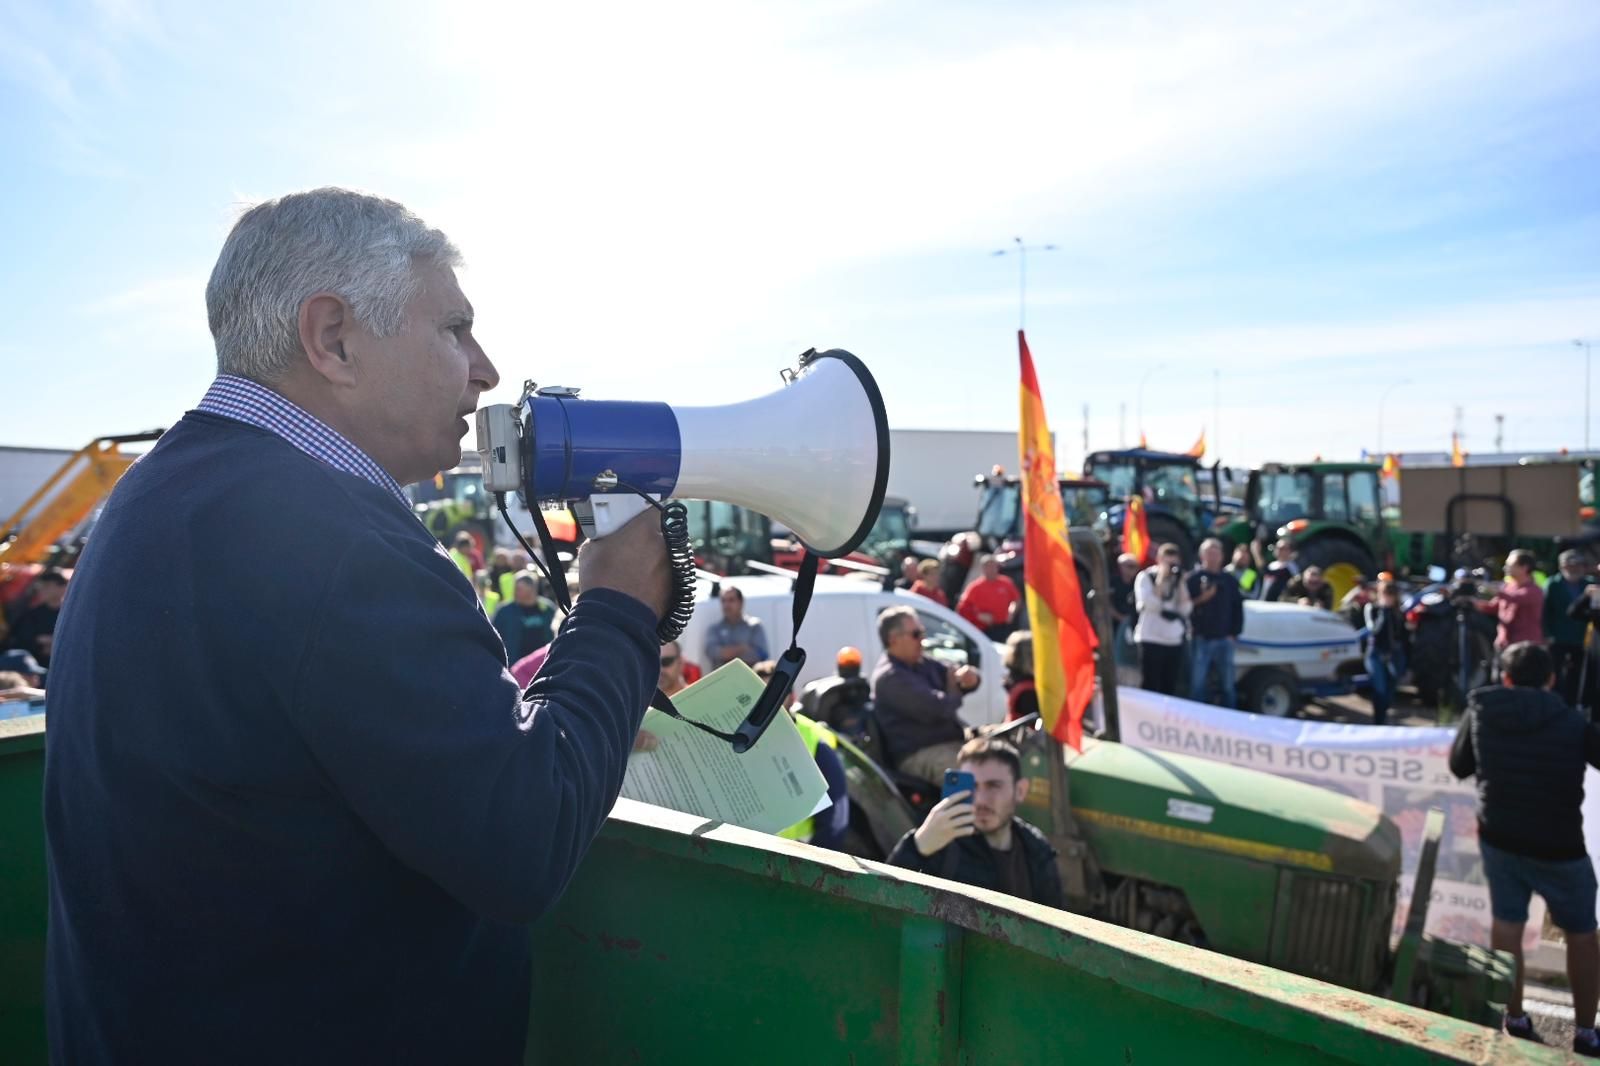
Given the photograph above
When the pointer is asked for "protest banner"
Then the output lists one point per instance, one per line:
(1403, 771)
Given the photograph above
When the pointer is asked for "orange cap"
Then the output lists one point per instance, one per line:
(849, 656)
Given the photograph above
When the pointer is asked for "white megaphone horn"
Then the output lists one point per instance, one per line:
(814, 455)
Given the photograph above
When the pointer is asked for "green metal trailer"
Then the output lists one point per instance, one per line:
(686, 940)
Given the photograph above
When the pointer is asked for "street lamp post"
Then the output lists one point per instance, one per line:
(1585, 346)
(1144, 378)
(1022, 251)
(1383, 399)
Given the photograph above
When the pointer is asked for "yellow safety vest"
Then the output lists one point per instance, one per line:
(491, 604)
(813, 733)
(464, 561)
(508, 585)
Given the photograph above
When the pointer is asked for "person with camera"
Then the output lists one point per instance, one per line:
(1218, 619)
(976, 837)
(1161, 597)
(296, 808)
(1519, 603)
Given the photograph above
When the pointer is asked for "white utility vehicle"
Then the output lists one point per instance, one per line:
(1286, 652)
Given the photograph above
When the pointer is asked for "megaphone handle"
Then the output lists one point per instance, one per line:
(600, 516)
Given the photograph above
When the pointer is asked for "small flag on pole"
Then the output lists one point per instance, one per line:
(1136, 530)
(1198, 449)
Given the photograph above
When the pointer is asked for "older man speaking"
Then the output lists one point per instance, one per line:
(297, 808)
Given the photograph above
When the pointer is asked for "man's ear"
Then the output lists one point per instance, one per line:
(1022, 789)
(325, 325)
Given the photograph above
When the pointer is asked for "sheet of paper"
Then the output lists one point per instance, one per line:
(770, 787)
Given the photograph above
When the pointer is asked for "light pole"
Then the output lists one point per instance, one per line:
(1585, 346)
(1140, 408)
(1022, 251)
(1381, 401)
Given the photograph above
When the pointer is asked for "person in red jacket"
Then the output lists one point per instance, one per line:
(989, 601)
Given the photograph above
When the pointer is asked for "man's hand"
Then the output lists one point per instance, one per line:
(950, 819)
(985, 619)
(967, 678)
(633, 561)
(645, 740)
(1206, 594)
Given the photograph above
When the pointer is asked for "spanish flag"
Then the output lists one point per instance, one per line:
(1136, 530)
(1063, 639)
(1457, 456)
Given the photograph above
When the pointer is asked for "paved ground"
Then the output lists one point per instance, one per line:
(1355, 709)
(1551, 1010)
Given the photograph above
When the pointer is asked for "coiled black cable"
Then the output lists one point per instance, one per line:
(680, 559)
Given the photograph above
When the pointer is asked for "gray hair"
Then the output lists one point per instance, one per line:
(283, 251)
(889, 622)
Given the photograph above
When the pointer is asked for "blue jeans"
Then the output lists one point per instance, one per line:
(1204, 654)
(1384, 677)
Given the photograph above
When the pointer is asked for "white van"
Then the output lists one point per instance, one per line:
(844, 611)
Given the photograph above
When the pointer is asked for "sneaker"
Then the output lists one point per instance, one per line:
(1586, 1042)
(1521, 1027)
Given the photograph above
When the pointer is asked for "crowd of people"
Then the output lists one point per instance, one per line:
(29, 636)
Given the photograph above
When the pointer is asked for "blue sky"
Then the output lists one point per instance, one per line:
(1310, 202)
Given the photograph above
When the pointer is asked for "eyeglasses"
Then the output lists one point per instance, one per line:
(918, 633)
(668, 660)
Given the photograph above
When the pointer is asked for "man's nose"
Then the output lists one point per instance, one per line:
(482, 370)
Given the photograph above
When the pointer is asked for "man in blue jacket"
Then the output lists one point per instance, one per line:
(297, 809)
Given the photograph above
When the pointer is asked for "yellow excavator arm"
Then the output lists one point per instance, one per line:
(66, 499)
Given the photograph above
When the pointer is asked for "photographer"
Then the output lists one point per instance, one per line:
(1162, 600)
(1519, 605)
(288, 770)
(976, 837)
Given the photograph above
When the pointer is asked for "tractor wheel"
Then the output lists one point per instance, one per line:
(1271, 691)
(1164, 530)
(1344, 565)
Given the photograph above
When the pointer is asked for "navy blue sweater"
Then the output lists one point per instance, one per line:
(295, 809)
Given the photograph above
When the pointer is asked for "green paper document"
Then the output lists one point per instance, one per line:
(770, 787)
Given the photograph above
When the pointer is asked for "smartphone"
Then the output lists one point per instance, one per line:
(958, 781)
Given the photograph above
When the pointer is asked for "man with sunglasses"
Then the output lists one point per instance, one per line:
(917, 699)
(672, 681)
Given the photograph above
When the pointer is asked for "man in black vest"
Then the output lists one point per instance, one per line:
(1528, 750)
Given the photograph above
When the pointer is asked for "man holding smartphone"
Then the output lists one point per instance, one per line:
(973, 835)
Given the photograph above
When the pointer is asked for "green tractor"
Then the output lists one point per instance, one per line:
(1331, 512)
(1258, 867)
(1177, 511)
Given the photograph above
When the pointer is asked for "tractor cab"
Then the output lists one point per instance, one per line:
(1000, 505)
(1170, 483)
(1333, 513)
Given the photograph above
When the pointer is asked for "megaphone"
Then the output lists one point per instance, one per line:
(813, 455)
